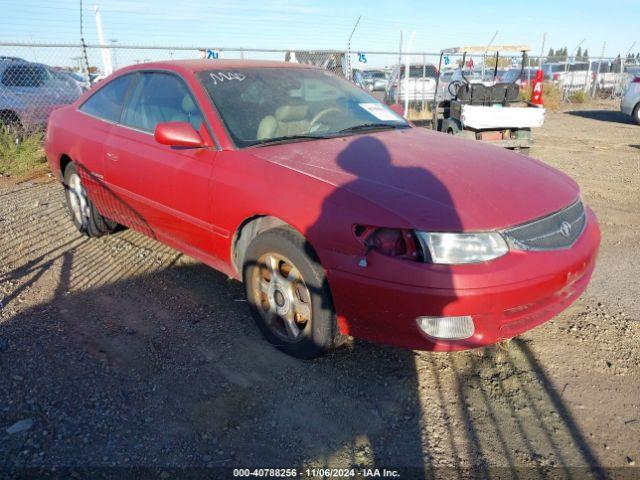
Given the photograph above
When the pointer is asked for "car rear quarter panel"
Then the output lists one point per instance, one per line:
(78, 136)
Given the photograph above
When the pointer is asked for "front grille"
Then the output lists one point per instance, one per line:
(556, 231)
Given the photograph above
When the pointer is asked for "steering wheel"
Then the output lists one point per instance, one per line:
(455, 84)
(316, 121)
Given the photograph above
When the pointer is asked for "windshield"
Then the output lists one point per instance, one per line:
(258, 105)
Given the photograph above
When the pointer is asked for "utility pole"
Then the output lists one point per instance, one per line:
(82, 44)
(484, 58)
(349, 48)
(544, 41)
(106, 55)
(399, 68)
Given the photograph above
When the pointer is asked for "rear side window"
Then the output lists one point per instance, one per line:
(25, 76)
(107, 102)
(160, 97)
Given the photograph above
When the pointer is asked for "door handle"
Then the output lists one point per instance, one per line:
(112, 156)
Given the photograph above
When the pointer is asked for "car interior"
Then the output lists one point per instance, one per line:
(292, 119)
(161, 98)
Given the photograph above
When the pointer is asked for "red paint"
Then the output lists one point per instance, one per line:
(177, 134)
(196, 199)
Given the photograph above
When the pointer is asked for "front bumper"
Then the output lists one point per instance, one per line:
(505, 297)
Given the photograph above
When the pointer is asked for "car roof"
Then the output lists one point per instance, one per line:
(6, 62)
(200, 65)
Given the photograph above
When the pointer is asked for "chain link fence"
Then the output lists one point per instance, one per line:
(35, 78)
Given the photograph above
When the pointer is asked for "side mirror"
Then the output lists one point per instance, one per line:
(177, 134)
(398, 108)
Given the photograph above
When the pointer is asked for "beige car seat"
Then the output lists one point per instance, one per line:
(288, 120)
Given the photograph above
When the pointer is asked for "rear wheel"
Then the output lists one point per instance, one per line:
(288, 294)
(84, 214)
(636, 114)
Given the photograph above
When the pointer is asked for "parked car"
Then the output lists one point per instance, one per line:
(357, 78)
(375, 80)
(570, 76)
(30, 91)
(632, 70)
(72, 78)
(450, 78)
(522, 77)
(339, 216)
(420, 86)
(630, 103)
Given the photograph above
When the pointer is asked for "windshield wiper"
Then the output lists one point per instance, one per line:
(372, 126)
(286, 138)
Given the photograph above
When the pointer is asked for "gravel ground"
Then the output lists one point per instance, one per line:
(122, 352)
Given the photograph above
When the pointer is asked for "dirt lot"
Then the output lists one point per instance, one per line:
(122, 352)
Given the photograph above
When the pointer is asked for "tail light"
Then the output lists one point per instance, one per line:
(392, 242)
(555, 77)
(636, 80)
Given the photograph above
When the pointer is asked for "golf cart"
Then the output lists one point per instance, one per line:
(490, 111)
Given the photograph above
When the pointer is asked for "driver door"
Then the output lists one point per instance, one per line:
(162, 191)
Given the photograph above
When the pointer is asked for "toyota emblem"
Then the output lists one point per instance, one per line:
(565, 229)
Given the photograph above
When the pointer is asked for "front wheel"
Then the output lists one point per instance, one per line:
(636, 114)
(288, 294)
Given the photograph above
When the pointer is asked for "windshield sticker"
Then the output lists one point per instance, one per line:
(378, 111)
(219, 77)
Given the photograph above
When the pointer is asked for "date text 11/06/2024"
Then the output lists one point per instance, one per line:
(317, 473)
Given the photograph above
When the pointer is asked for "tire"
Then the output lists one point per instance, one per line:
(636, 114)
(288, 294)
(524, 151)
(84, 214)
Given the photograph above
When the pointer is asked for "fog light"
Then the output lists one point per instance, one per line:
(447, 328)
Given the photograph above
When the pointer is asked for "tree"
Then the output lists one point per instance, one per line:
(551, 53)
(579, 53)
(585, 54)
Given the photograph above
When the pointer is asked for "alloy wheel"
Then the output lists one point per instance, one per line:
(78, 200)
(282, 297)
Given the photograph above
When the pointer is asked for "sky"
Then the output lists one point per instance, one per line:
(326, 24)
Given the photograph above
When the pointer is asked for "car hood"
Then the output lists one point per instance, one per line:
(431, 180)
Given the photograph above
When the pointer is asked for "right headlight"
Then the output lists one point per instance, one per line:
(461, 248)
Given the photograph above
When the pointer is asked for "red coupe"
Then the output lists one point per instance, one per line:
(340, 217)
